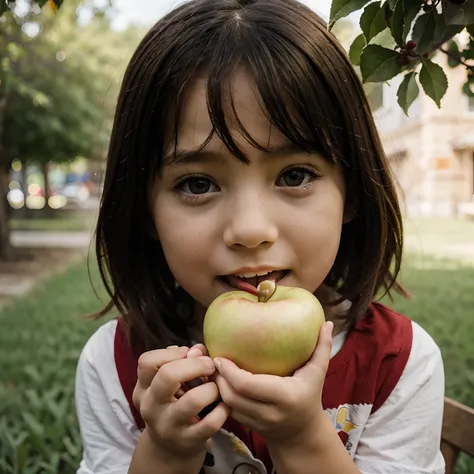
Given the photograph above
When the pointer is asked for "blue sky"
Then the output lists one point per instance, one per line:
(146, 12)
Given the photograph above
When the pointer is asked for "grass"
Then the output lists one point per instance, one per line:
(444, 238)
(40, 341)
(42, 337)
(57, 221)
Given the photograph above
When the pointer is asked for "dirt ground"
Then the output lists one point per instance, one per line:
(28, 266)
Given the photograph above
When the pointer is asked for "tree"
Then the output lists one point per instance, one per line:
(403, 36)
(57, 90)
(10, 4)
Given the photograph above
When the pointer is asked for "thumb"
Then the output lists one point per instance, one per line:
(319, 361)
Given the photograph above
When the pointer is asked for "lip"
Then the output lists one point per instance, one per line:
(259, 269)
(226, 287)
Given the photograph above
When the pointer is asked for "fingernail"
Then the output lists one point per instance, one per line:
(172, 347)
(329, 327)
(217, 362)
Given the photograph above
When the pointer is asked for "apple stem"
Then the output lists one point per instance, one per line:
(266, 289)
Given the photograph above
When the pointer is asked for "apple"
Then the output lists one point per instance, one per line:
(273, 333)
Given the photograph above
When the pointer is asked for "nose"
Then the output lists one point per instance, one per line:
(250, 225)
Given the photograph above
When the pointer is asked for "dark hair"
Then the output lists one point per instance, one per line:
(308, 90)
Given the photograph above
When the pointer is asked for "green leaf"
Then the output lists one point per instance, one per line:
(408, 91)
(372, 21)
(378, 64)
(21, 456)
(356, 49)
(33, 425)
(343, 8)
(73, 448)
(385, 39)
(398, 23)
(411, 9)
(450, 31)
(467, 88)
(388, 14)
(454, 52)
(468, 52)
(433, 80)
(440, 22)
(3, 7)
(32, 372)
(424, 31)
(459, 14)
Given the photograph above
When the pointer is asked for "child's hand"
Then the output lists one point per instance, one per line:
(281, 409)
(173, 423)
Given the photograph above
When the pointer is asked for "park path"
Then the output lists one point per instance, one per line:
(41, 254)
(50, 239)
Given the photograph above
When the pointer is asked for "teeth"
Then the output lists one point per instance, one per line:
(252, 275)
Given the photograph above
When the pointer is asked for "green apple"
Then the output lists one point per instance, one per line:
(273, 333)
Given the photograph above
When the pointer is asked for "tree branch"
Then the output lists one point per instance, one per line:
(455, 58)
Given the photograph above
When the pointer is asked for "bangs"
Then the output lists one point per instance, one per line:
(290, 83)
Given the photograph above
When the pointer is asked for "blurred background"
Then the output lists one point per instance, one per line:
(60, 72)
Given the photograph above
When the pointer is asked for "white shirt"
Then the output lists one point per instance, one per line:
(402, 436)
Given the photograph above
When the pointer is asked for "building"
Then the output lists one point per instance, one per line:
(431, 150)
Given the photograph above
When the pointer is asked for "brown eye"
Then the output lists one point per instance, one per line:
(296, 177)
(198, 186)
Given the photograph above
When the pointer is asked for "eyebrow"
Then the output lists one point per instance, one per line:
(186, 157)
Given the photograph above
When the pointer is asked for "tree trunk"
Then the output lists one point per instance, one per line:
(5, 245)
(45, 172)
(24, 177)
(3, 113)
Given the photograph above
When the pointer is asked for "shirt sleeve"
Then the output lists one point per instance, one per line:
(108, 430)
(404, 434)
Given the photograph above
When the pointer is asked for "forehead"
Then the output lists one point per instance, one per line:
(241, 106)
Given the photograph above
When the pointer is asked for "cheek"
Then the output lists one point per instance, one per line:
(185, 243)
(317, 240)
(320, 238)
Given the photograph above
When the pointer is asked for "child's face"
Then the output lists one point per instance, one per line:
(217, 217)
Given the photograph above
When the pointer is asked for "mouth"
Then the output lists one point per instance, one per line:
(249, 281)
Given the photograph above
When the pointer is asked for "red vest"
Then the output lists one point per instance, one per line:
(364, 371)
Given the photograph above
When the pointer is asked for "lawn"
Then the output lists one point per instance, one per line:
(40, 343)
(43, 334)
(445, 238)
(58, 220)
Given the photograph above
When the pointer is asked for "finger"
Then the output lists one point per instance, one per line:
(250, 422)
(319, 361)
(197, 351)
(238, 402)
(262, 387)
(179, 393)
(150, 362)
(193, 402)
(210, 424)
(171, 376)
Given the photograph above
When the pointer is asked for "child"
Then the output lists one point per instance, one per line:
(244, 149)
